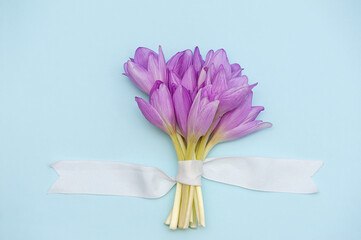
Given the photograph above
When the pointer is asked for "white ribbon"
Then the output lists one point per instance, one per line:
(128, 179)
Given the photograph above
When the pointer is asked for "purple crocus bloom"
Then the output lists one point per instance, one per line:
(236, 70)
(230, 99)
(159, 111)
(146, 68)
(180, 62)
(197, 60)
(218, 59)
(223, 81)
(189, 79)
(239, 122)
(173, 81)
(229, 92)
(201, 115)
(182, 103)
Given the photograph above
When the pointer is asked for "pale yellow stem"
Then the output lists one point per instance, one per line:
(175, 210)
(196, 205)
(190, 150)
(181, 143)
(202, 220)
(193, 222)
(167, 222)
(177, 147)
(201, 146)
(173, 217)
(208, 148)
(189, 207)
(204, 139)
(184, 204)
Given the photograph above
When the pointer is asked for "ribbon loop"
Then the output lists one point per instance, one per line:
(110, 178)
(264, 174)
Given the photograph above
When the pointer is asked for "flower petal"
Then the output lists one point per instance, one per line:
(244, 130)
(237, 116)
(197, 60)
(235, 67)
(209, 57)
(200, 116)
(173, 81)
(220, 58)
(141, 56)
(238, 81)
(206, 116)
(220, 81)
(150, 113)
(160, 98)
(182, 104)
(153, 68)
(180, 62)
(189, 79)
(253, 113)
(202, 78)
(162, 67)
(139, 76)
(232, 98)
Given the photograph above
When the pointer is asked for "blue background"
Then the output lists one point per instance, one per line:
(62, 96)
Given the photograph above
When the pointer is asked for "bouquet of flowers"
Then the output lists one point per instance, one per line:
(198, 103)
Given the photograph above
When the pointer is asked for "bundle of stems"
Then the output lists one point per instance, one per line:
(188, 207)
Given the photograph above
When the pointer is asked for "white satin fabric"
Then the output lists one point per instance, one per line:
(128, 179)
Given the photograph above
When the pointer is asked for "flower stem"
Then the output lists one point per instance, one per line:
(174, 215)
(189, 207)
(190, 150)
(201, 146)
(181, 143)
(167, 222)
(175, 210)
(201, 220)
(177, 147)
(193, 221)
(196, 206)
(183, 207)
(208, 148)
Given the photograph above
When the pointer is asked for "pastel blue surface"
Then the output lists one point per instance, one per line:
(62, 96)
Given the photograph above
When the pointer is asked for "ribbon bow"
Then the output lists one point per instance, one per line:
(128, 179)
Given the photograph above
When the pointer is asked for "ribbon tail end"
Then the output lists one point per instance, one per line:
(53, 188)
(317, 165)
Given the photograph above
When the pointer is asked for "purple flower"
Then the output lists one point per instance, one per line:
(197, 60)
(201, 115)
(182, 104)
(146, 68)
(223, 81)
(236, 70)
(218, 59)
(180, 62)
(239, 122)
(189, 80)
(173, 81)
(232, 98)
(159, 111)
(194, 96)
